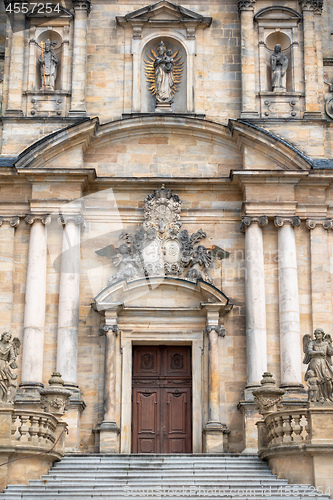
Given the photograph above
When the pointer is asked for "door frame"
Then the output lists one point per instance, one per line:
(128, 339)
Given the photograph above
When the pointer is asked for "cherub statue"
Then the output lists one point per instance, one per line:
(8, 354)
(124, 260)
(318, 352)
(313, 390)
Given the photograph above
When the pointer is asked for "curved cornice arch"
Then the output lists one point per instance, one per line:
(90, 132)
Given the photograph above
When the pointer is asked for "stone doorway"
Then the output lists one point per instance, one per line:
(162, 399)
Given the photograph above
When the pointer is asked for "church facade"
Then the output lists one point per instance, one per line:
(166, 213)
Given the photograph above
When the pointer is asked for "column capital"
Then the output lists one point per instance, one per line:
(82, 5)
(325, 223)
(78, 219)
(220, 330)
(315, 6)
(245, 5)
(13, 221)
(293, 221)
(110, 328)
(44, 219)
(247, 220)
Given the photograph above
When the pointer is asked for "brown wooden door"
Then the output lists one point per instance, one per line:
(162, 399)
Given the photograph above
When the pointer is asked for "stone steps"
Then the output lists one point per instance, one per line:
(115, 477)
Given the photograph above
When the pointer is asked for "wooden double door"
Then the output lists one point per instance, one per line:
(162, 399)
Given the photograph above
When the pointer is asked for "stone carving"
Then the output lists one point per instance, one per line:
(220, 330)
(268, 398)
(8, 354)
(318, 352)
(313, 5)
(159, 247)
(163, 72)
(246, 5)
(55, 399)
(279, 65)
(48, 65)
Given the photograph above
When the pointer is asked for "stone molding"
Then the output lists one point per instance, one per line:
(44, 219)
(220, 330)
(315, 6)
(293, 221)
(13, 221)
(82, 5)
(78, 219)
(324, 223)
(262, 220)
(246, 5)
(110, 328)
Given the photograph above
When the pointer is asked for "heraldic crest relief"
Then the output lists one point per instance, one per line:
(160, 247)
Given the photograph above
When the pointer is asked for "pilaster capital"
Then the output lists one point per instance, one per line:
(293, 221)
(110, 328)
(78, 219)
(245, 5)
(262, 220)
(13, 221)
(220, 330)
(44, 219)
(315, 6)
(325, 223)
(82, 5)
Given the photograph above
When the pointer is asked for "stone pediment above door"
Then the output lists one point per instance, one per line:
(164, 14)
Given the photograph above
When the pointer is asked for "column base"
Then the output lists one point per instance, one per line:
(313, 115)
(249, 114)
(78, 113)
(215, 438)
(28, 395)
(108, 437)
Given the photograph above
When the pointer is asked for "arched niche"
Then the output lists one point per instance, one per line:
(179, 104)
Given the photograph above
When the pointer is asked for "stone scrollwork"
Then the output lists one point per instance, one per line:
(159, 247)
(325, 223)
(220, 330)
(44, 219)
(246, 5)
(9, 350)
(280, 221)
(13, 221)
(78, 219)
(111, 328)
(262, 220)
(268, 398)
(312, 5)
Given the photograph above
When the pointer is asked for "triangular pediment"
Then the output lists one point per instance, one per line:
(166, 12)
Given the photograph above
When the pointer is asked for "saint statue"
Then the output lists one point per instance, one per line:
(8, 354)
(163, 71)
(319, 374)
(48, 65)
(279, 65)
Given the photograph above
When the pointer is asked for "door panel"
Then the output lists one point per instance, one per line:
(162, 399)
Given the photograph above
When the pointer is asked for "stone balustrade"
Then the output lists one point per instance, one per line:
(30, 441)
(287, 427)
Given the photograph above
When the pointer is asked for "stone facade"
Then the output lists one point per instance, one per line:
(252, 168)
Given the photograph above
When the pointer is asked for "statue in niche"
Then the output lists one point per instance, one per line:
(279, 65)
(48, 65)
(163, 71)
(319, 375)
(8, 354)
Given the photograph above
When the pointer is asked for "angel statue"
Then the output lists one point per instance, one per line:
(163, 71)
(122, 258)
(8, 354)
(319, 374)
(279, 65)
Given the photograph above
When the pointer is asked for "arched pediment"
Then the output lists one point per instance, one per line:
(161, 293)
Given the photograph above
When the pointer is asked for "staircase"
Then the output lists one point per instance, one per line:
(115, 477)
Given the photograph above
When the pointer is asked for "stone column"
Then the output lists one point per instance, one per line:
(255, 303)
(215, 433)
(321, 281)
(34, 312)
(69, 293)
(7, 232)
(109, 431)
(312, 91)
(14, 107)
(79, 67)
(290, 335)
(249, 105)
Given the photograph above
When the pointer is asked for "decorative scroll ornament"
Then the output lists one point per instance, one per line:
(160, 248)
(268, 398)
(163, 72)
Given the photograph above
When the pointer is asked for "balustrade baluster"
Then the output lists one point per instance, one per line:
(297, 436)
(287, 428)
(24, 428)
(42, 432)
(33, 431)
